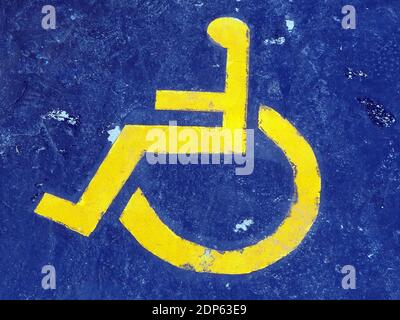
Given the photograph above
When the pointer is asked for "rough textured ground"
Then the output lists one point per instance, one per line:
(62, 90)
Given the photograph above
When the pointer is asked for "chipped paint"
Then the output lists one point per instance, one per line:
(62, 116)
(243, 225)
(289, 25)
(279, 41)
(113, 134)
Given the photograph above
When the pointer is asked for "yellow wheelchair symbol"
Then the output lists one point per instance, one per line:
(140, 218)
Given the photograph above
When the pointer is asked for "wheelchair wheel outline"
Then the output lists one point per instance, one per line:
(145, 225)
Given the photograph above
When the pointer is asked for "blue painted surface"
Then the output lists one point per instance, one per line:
(104, 63)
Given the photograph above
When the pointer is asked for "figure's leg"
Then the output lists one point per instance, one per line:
(112, 174)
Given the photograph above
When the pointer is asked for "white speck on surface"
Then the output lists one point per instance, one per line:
(279, 41)
(289, 25)
(199, 4)
(237, 9)
(61, 115)
(113, 134)
(243, 225)
(351, 73)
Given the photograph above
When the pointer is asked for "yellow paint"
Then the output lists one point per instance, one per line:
(141, 219)
(233, 35)
(115, 170)
(145, 225)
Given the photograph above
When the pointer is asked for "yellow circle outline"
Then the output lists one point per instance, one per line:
(145, 225)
